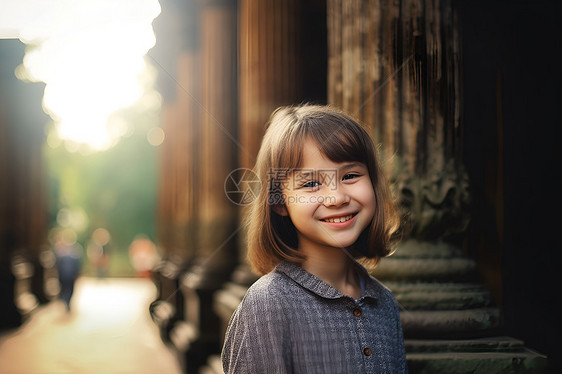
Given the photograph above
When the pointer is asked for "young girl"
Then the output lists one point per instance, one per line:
(323, 205)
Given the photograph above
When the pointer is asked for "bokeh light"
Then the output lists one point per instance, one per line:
(90, 54)
(156, 136)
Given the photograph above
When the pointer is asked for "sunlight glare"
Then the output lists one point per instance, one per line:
(90, 54)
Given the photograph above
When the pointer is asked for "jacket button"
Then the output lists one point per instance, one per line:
(367, 352)
(357, 312)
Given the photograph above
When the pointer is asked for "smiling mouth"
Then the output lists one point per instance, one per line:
(339, 219)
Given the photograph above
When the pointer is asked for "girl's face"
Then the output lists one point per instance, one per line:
(329, 203)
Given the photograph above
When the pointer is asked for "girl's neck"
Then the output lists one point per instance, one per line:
(333, 266)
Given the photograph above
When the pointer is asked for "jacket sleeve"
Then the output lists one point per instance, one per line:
(255, 340)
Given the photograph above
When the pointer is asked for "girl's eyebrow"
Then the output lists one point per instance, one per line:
(352, 165)
(313, 173)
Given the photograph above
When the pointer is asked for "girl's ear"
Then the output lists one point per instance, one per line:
(280, 209)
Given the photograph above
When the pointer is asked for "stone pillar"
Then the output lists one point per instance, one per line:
(270, 73)
(390, 64)
(217, 147)
(270, 76)
(22, 189)
(218, 141)
(195, 55)
(282, 62)
(176, 59)
(396, 66)
(179, 161)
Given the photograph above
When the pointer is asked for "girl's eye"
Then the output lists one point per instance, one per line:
(349, 176)
(311, 184)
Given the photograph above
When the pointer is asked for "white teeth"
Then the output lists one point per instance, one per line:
(339, 219)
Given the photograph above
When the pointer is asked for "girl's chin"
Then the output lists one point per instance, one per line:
(346, 244)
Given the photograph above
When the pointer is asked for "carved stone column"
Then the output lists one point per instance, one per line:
(396, 66)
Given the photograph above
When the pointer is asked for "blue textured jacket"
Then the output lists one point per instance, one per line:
(290, 321)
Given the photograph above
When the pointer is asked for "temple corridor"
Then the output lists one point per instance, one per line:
(460, 98)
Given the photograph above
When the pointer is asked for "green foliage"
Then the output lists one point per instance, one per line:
(114, 189)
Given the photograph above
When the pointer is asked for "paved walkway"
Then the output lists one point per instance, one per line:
(108, 331)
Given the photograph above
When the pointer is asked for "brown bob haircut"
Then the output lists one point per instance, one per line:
(272, 238)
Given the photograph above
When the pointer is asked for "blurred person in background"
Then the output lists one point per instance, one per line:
(98, 251)
(143, 256)
(68, 259)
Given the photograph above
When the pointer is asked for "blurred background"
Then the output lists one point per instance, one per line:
(86, 94)
(121, 122)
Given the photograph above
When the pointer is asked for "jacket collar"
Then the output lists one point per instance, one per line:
(314, 284)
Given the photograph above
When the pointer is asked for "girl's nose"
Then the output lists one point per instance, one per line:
(336, 197)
